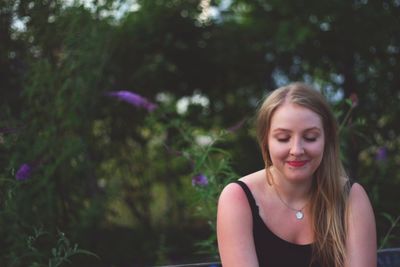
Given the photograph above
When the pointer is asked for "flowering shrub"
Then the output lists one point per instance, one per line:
(24, 242)
(209, 165)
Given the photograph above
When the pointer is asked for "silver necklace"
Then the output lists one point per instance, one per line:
(299, 212)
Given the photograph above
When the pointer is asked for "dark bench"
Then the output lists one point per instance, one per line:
(389, 257)
(204, 264)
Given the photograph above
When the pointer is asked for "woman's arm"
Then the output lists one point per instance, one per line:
(361, 237)
(235, 228)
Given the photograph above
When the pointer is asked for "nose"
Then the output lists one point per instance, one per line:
(296, 148)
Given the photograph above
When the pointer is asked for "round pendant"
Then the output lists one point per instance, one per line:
(299, 215)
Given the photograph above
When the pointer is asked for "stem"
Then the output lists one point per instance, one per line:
(389, 231)
(345, 118)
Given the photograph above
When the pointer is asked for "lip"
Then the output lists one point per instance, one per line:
(297, 163)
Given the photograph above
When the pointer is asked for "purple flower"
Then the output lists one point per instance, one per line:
(24, 172)
(381, 154)
(199, 180)
(133, 99)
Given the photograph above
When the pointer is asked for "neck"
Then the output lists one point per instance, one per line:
(291, 193)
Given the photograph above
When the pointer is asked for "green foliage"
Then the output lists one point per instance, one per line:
(384, 243)
(115, 177)
(61, 253)
(215, 164)
(23, 248)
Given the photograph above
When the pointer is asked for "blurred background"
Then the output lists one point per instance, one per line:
(121, 120)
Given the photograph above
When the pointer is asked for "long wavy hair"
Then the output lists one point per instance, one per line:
(330, 187)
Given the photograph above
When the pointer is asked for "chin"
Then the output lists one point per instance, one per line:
(299, 177)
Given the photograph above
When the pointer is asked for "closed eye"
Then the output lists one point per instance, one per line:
(310, 139)
(283, 140)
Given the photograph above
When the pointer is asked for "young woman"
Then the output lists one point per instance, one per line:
(301, 210)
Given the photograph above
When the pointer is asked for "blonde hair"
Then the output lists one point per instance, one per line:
(329, 191)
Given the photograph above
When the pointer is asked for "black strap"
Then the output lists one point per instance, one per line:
(250, 198)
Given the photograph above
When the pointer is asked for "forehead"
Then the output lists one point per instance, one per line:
(291, 116)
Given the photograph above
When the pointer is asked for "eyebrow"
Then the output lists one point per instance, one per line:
(287, 130)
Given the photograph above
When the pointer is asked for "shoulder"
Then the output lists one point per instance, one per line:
(232, 195)
(360, 212)
(234, 192)
(359, 205)
(358, 199)
(233, 199)
(361, 236)
(234, 227)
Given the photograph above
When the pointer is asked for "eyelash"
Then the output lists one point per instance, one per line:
(313, 139)
(284, 140)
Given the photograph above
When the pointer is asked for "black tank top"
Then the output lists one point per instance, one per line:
(273, 251)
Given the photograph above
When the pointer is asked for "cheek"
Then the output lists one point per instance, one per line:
(277, 150)
(317, 150)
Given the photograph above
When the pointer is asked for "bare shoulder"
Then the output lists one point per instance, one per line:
(233, 203)
(358, 199)
(360, 205)
(255, 180)
(361, 238)
(357, 191)
(232, 194)
(234, 228)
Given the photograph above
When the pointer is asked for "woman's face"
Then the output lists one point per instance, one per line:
(296, 142)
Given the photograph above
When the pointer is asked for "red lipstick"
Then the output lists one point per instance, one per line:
(297, 163)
